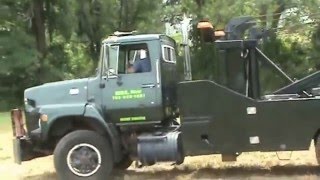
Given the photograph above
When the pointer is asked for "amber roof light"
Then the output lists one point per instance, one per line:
(204, 25)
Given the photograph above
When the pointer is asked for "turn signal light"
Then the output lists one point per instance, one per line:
(44, 117)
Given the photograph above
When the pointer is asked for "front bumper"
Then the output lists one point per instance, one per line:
(23, 147)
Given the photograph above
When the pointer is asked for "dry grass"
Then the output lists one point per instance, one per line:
(38, 169)
(249, 165)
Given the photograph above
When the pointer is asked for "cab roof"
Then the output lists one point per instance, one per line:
(135, 38)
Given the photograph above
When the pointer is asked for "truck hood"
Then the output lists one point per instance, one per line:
(62, 92)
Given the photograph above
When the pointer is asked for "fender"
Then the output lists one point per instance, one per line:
(92, 112)
(57, 111)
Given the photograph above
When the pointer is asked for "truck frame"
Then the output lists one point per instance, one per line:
(105, 122)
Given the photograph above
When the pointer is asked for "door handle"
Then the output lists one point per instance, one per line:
(148, 85)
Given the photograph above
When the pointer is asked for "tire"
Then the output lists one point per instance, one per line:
(317, 148)
(123, 164)
(77, 156)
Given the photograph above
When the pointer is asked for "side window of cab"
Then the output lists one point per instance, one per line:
(134, 58)
(168, 54)
(127, 59)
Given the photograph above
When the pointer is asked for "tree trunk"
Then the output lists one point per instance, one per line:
(263, 15)
(126, 13)
(199, 3)
(39, 31)
(277, 13)
(121, 14)
(38, 24)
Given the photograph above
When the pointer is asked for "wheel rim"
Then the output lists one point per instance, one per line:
(84, 160)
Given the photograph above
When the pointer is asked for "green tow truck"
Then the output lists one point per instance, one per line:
(95, 125)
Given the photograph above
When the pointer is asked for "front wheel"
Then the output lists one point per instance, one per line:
(83, 154)
(317, 148)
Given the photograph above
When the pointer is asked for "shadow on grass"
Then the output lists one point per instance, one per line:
(46, 176)
(212, 173)
(205, 173)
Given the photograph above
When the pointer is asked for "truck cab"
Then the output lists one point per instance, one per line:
(127, 96)
(125, 112)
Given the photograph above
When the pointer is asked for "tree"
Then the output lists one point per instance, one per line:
(291, 51)
(18, 53)
(50, 40)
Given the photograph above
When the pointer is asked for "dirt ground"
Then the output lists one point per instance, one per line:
(249, 166)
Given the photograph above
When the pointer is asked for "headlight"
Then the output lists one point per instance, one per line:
(29, 102)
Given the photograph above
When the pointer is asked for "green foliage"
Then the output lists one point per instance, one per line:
(50, 40)
(293, 47)
(78, 60)
(18, 56)
(61, 39)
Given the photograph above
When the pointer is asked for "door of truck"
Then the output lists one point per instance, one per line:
(131, 97)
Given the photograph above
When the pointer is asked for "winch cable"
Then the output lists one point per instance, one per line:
(313, 17)
(288, 14)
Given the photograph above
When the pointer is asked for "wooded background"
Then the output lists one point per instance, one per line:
(50, 40)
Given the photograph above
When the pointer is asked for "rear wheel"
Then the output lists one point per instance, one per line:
(83, 154)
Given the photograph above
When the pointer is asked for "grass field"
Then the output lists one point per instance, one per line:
(249, 165)
(37, 169)
(5, 122)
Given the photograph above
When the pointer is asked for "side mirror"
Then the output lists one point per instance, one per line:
(112, 73)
